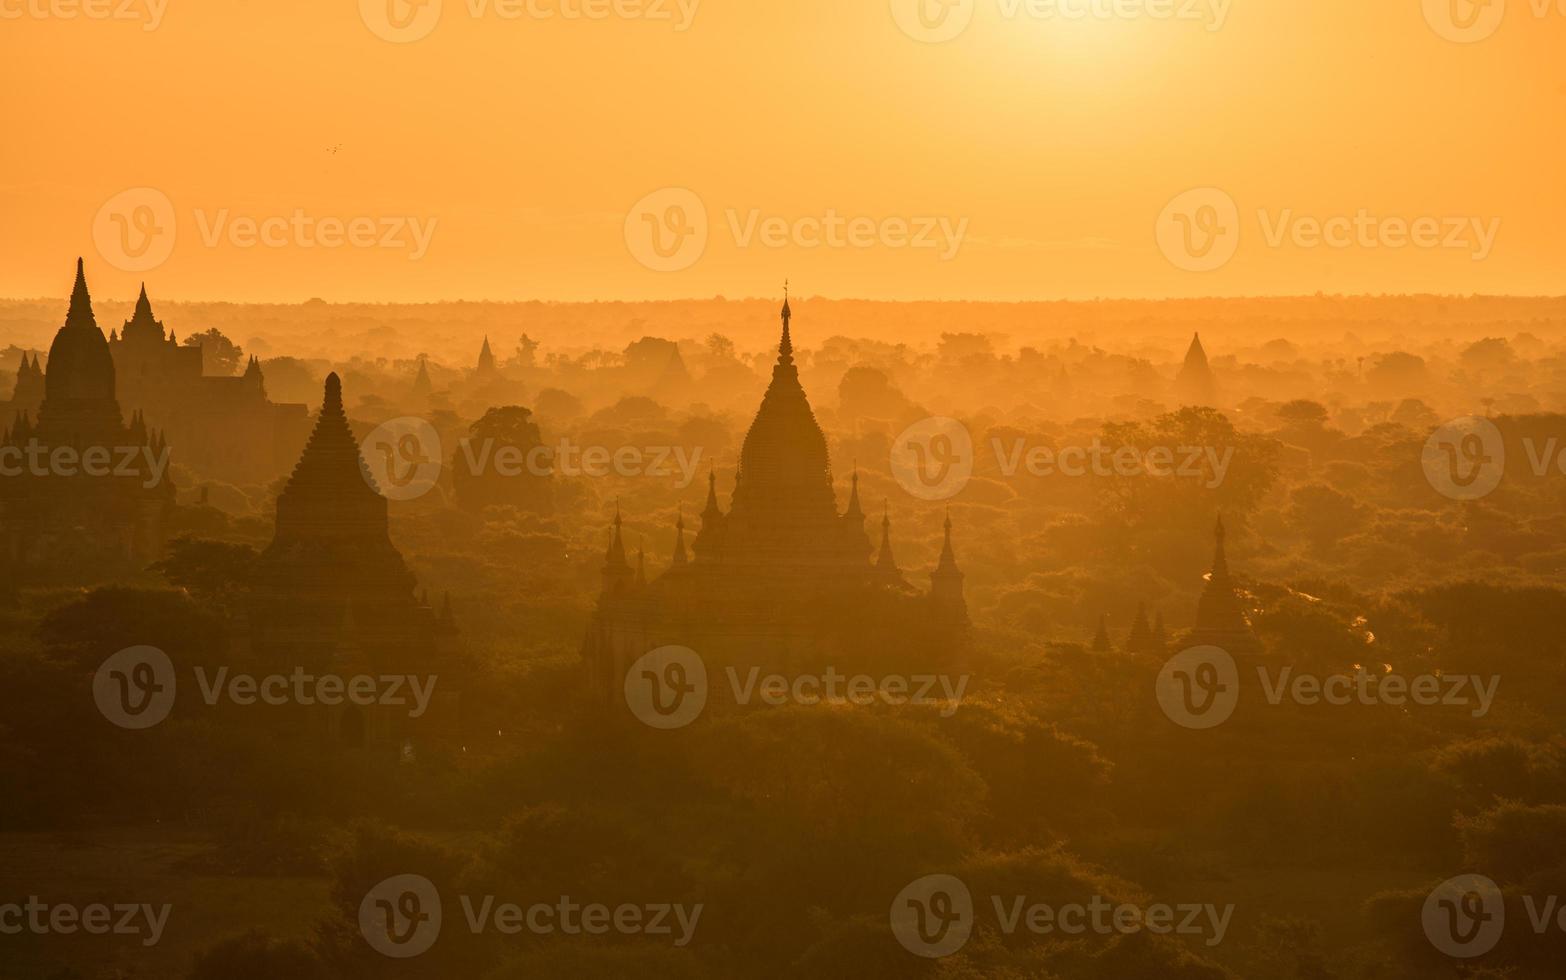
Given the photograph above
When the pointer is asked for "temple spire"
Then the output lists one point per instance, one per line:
(855, 512)
(886, 562)
(80, 313)
(680, 556)
(143, 304)
(786, 345)
(1220, 612)
(946, 581)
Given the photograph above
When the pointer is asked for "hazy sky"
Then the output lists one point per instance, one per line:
(524, 149)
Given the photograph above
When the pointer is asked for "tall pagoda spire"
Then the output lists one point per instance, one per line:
(784, 484)
(331, 494)
(855, 512)
(1220, 615)
(1195, 383)
(886, 562)
(946, 580)
(486, 360)
(786, 345)
(80, 313)
(617, 572)
(79, 386)
(680, 557)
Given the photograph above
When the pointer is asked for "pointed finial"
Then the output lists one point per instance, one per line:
(80, 312)
(334, 394)
(786, 345)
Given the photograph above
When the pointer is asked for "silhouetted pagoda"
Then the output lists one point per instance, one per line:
(782, 580)
(28, 393)
(333, 594)
(1195, 384)
(110, 505)
(1220, 617)
(226, 427)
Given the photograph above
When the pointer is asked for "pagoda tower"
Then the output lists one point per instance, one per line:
(1195, 384)
(1220, 616)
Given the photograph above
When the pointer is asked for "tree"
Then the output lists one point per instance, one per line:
(503, 462)
(219, 355)
(214, 572)
(1323, 515)
(527, 351)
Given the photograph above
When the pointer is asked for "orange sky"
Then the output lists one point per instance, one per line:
(1035, 154)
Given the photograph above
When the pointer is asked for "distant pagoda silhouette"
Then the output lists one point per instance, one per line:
(333, 593)
(486, 370)
(51, 516)
(1220, 616)
(782, 578)
(1195, 384)
(28, 393)
(226, 427)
